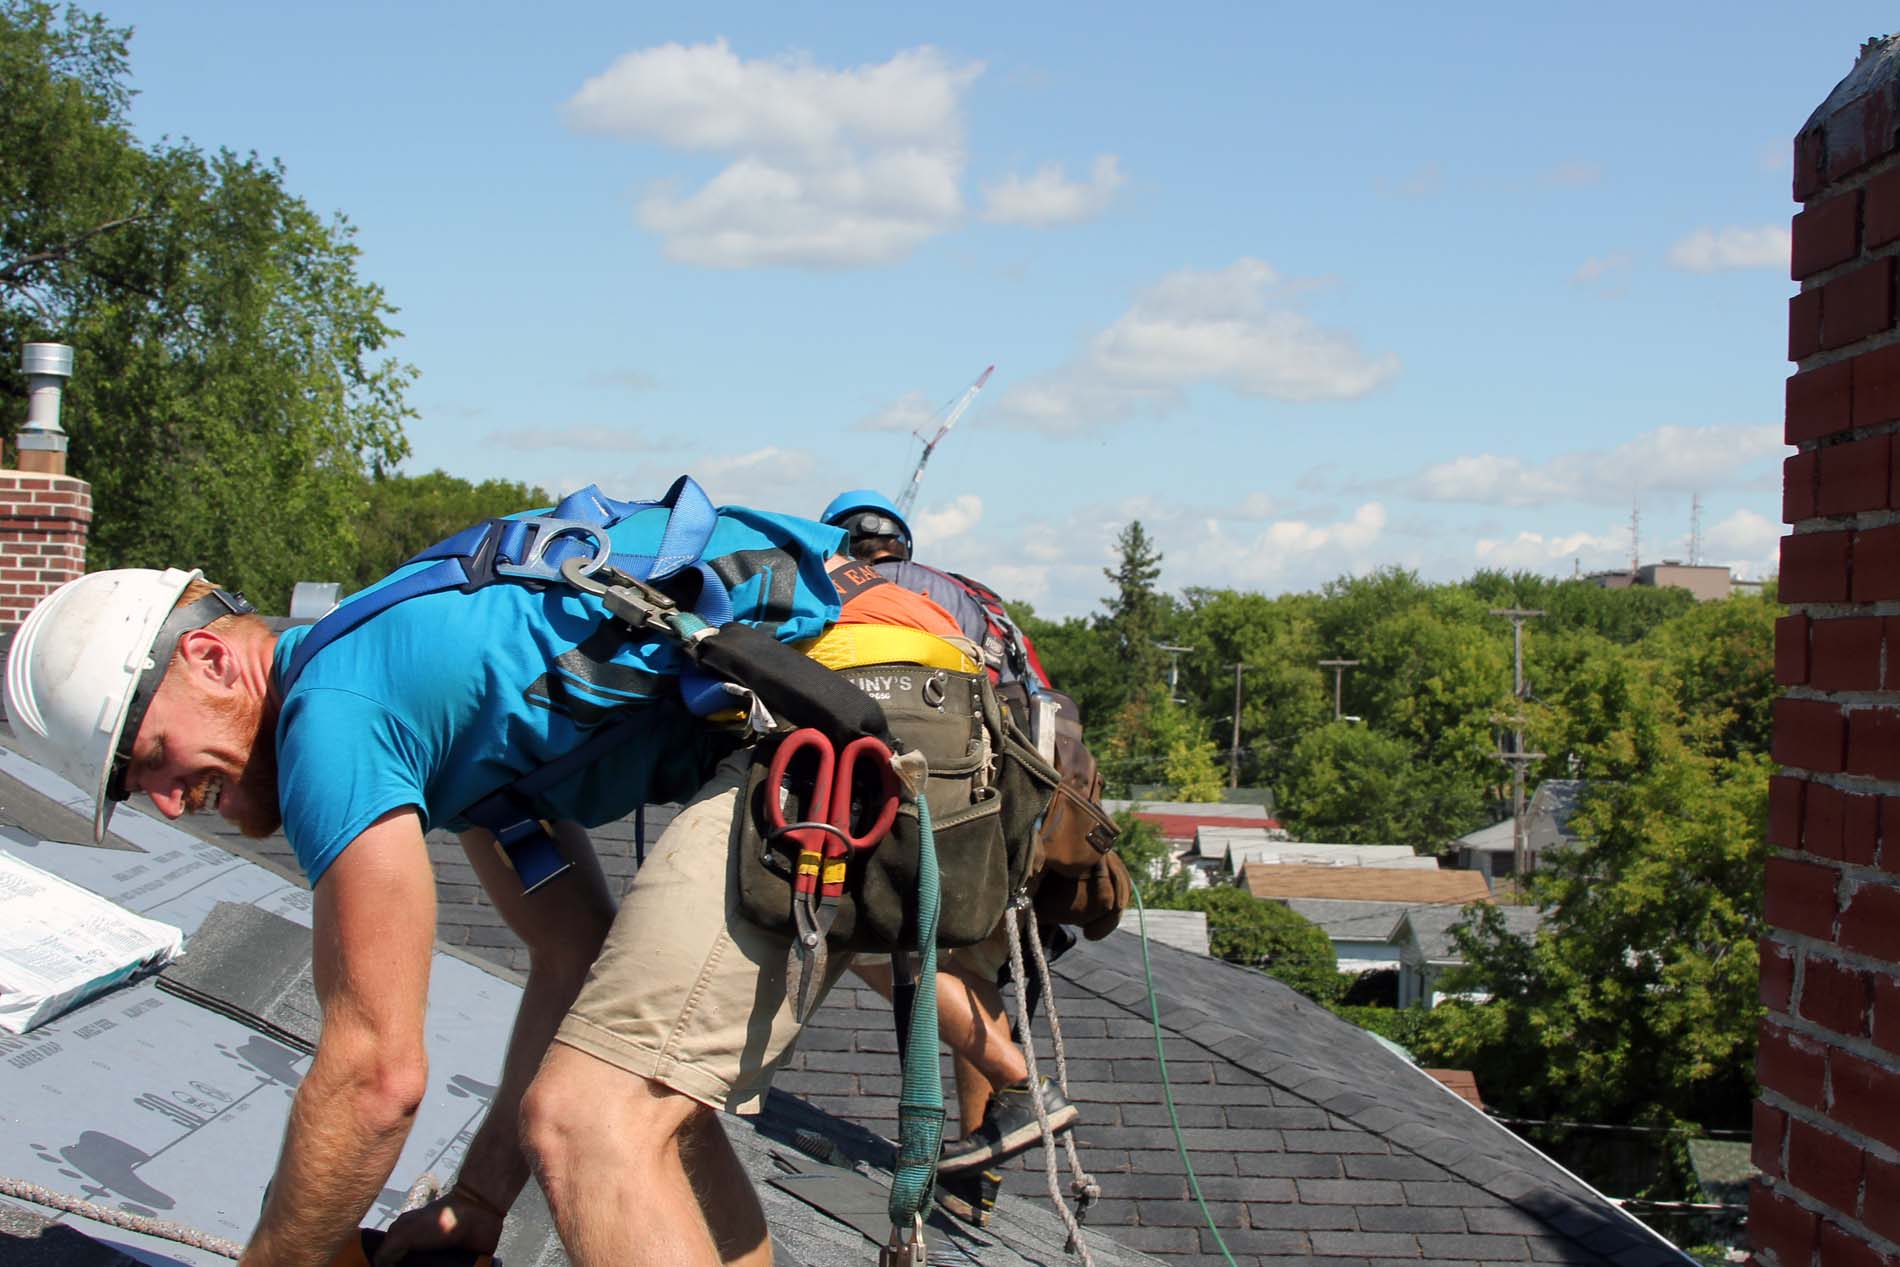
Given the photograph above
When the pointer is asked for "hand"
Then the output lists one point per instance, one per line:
(448, 1222)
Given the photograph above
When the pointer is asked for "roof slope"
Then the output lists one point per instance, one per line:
(1364, 884)
(1309, 1137)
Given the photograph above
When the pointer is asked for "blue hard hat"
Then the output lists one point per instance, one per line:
(862, 501)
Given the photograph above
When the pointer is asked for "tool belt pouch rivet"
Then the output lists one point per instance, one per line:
(986, 789)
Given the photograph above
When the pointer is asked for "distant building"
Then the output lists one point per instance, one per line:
(1704, 581)
(1490, 850)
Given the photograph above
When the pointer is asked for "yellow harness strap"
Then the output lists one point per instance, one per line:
(851, 646)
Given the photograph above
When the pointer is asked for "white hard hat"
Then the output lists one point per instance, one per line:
(85, 664)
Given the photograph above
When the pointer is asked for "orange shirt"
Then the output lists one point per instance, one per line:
(891, 604)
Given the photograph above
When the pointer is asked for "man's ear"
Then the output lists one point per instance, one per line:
(207, 658)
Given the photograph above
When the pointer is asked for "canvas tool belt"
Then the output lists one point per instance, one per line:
(987, 787)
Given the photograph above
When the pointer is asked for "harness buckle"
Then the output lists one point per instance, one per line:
(542, 534)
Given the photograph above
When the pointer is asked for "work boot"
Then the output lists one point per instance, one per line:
(970, 1195)
(1009, 1127)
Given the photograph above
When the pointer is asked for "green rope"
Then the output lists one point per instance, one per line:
(920, 1106)
(1180, 1143)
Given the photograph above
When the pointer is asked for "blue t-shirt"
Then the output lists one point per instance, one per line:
(441, 699)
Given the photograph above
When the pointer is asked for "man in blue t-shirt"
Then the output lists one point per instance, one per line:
(631, 1026)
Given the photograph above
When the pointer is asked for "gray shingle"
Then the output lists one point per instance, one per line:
(1484, 1249)
(1350, 1192)
(1303, 1217)
(1368, 1244)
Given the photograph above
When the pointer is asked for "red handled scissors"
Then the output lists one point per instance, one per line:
(826, 835)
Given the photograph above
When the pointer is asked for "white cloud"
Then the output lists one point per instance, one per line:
(1717, 250)
(1050, 197)
(627, 380)
(1674, 459)
(1427, 180)
(910, 412)
(1607, 269)
(1749, 543)
(1231, 328)
(828, 168)
(939, 524)
(770, 478)
(1535, 552)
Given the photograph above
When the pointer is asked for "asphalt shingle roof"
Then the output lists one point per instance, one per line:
(1364, 884)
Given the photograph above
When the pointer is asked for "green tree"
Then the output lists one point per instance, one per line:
(229, 399)
(409, 513)
(1350, 784)
(1153, 740)
(1638, 1000)
(1135, 611)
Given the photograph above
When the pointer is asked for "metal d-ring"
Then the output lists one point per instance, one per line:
(545, 533)
(933, 692)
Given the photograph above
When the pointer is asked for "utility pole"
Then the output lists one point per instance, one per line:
(1517, 758)
(1233, 753)
(1339, 668)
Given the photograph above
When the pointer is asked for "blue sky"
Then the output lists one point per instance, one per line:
(1307, 289)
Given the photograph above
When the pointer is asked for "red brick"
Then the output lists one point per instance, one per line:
(1798, 480)
(1792, 1065)
(1853, 134)
(1873, 742)
(1842, 1248)
(1835, 997)
(1800, 897)
(1860, 829)
(1864, 1095)
(1870, 922)
(1857, 304)
(1804, 324)
(1880, 1201)
(1770, 1125)
(1824, 1166)
(1876, 556)
(1826, 234)
(1855, 476)
(1821, 402)
(1777, 975)
(1814, 565)
(1810, 733)
(1791, 650)
(1845, 654)
(1810, 155)
(1883, 208)
(1821, 823)
(1887, 1012)
(1785, 810)
(1786, 1232)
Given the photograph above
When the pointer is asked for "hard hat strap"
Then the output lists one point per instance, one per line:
(196, 615)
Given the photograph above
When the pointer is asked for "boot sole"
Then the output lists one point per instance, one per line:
(1020, 1140)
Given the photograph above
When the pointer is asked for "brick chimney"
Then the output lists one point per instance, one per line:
(45, 514)
(1827, 1124)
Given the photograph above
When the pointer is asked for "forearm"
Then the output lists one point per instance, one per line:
(341, 1144)
(495, 1167)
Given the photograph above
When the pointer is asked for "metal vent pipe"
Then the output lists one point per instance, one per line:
(47, 367)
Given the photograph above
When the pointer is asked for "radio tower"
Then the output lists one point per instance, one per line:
(1636, 540)
(1695, 531)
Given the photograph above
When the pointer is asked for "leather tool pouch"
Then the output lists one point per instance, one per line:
(986, 789)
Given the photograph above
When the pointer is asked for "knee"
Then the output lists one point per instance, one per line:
(566, 954)
(581, 1112)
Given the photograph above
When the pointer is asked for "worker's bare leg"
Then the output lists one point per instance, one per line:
(606, 1145)
(971, 1019)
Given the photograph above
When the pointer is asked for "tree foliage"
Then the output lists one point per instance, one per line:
(1243, 929)
(229, 396)
(410, 513)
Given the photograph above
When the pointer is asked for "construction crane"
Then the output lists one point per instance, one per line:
(908, 498)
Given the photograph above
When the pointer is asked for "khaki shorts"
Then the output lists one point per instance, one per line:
(687, 992)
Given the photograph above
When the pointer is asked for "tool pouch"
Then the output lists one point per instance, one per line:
(986, 789)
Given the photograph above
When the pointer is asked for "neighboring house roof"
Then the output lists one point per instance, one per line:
(1424, 933)
(1236, 846)
(1546, 820)
(1240, 811)
(1350, 921)
(1365, 884)
(1461, 1083)
(1309, 1137)
(1184, 930)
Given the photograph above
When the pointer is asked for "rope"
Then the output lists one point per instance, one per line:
(1167, 1089)
(164, 1229)
(1081, 1183)
(1076, 1245)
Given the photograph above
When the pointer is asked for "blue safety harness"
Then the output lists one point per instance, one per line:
(533, 550)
